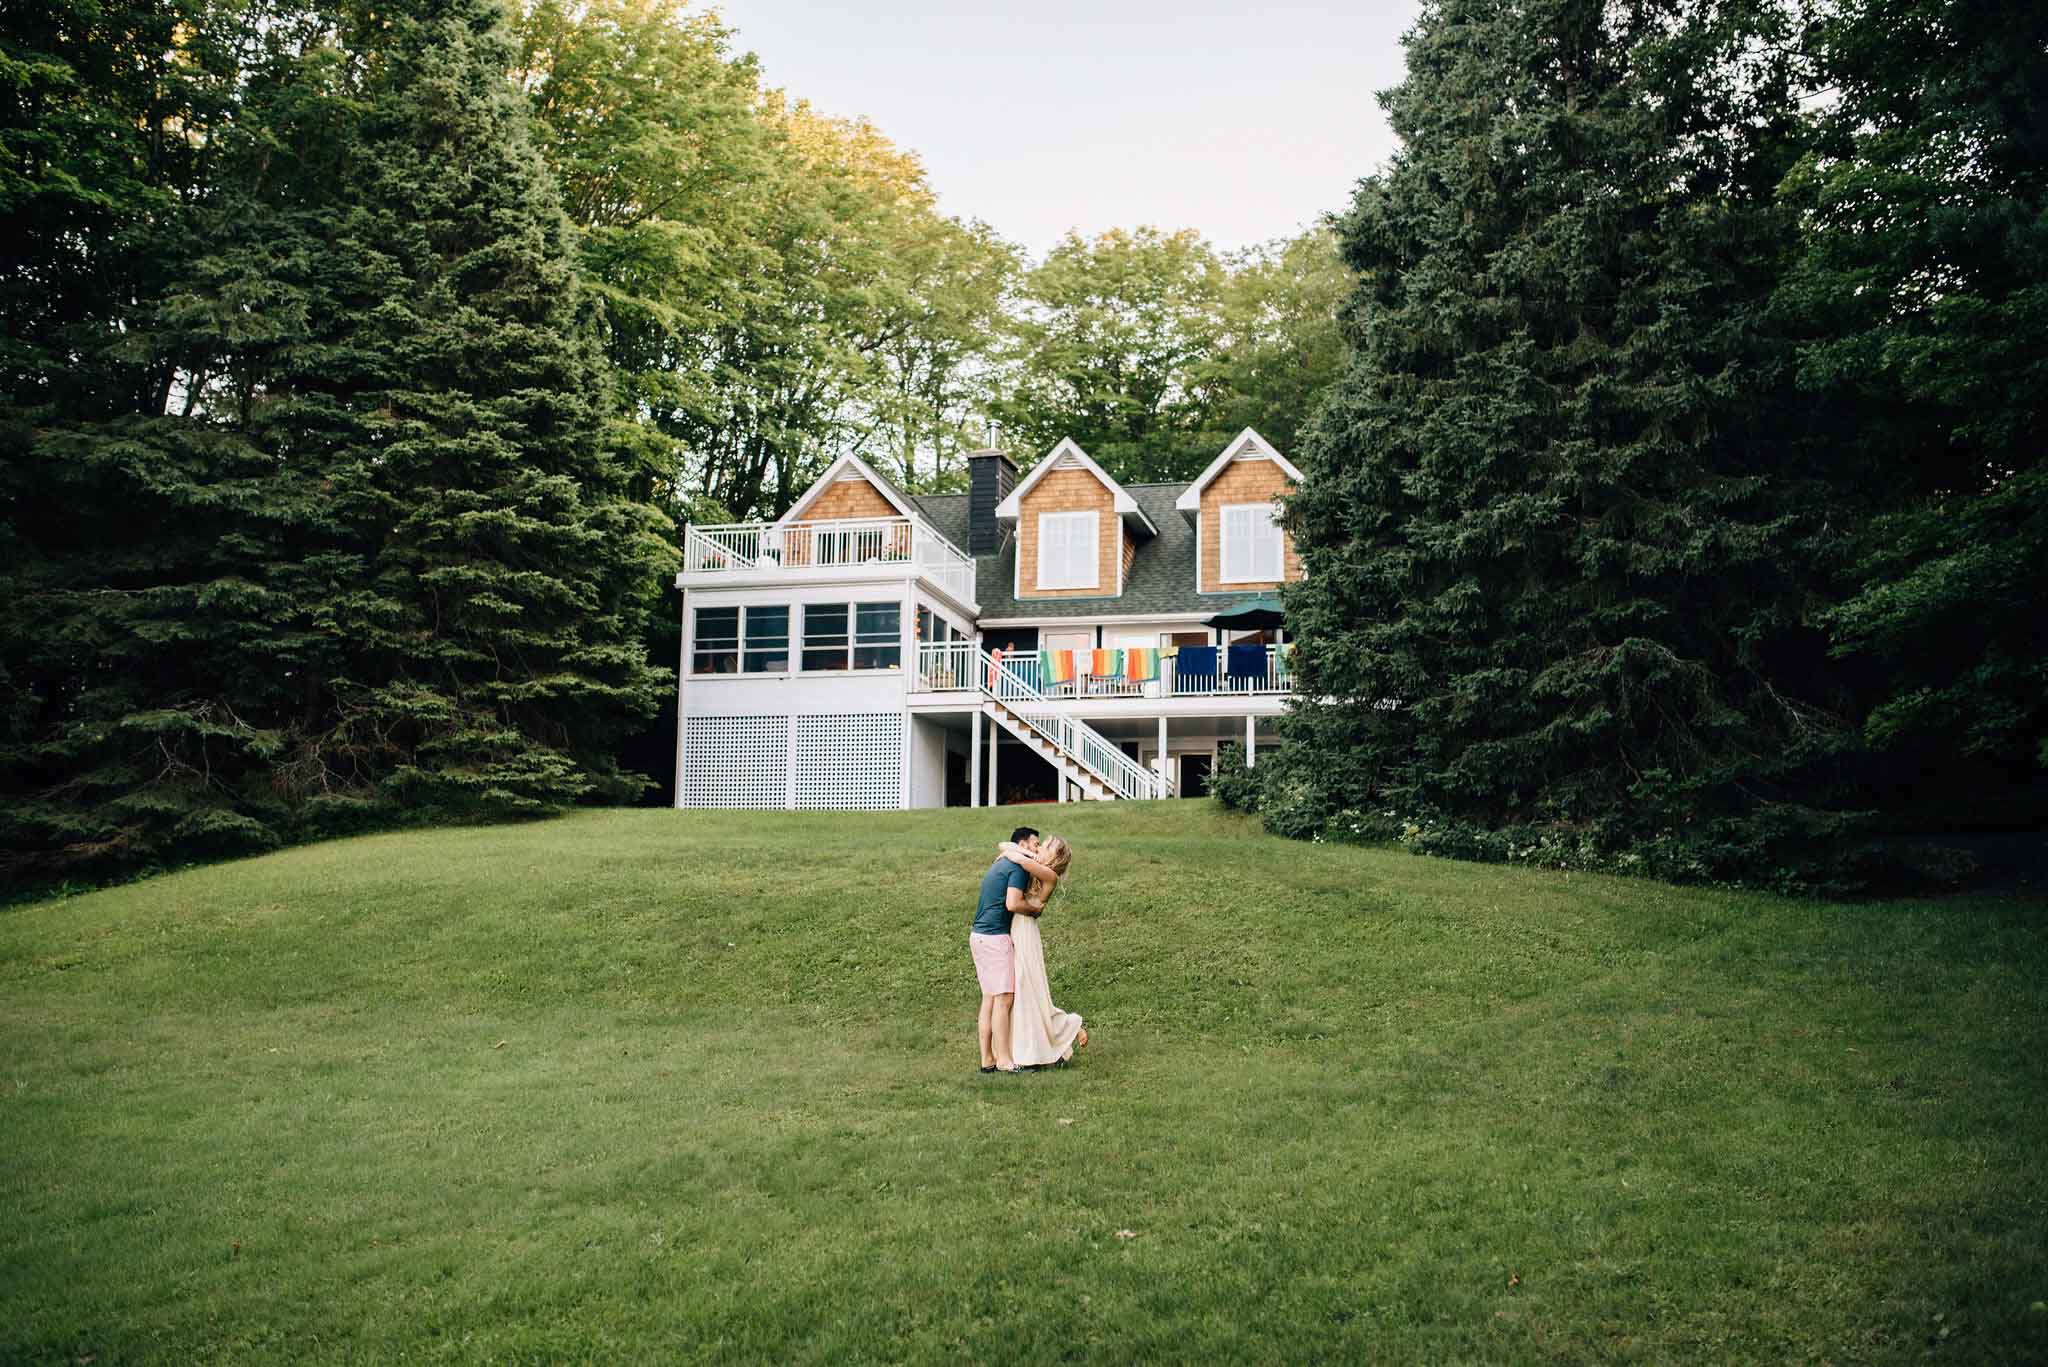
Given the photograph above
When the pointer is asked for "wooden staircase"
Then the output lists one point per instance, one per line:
(1091, 785)
(1079, 753)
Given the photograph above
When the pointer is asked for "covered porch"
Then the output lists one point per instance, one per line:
(968, 760)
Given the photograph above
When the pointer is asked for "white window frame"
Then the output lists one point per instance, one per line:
(747, 649)
(853, 641)
(1254, 572)
(841, 642)
(892, 639)
(1071, 522)
(697, 639)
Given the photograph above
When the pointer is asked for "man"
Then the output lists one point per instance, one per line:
(1003, 895)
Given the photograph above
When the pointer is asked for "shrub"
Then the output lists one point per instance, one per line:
(1234, 783)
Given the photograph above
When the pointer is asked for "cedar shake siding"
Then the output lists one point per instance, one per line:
(1241, 481)
(847, 499)
(1068, 491)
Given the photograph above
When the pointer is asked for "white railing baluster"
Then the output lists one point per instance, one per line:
(1076, 739)
(831, 543)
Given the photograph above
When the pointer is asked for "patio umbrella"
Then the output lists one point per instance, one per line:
(1256, 615)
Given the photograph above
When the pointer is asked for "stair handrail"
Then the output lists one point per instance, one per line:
(696, 537)
(1124, 775)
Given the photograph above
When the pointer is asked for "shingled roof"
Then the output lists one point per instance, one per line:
(1161, 578)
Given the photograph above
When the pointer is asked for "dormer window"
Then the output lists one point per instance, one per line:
(1068, 550)
(1253, 549)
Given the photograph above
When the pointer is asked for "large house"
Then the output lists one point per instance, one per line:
(1042, 638)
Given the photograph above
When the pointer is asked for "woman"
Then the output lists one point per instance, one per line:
(1040, 1033)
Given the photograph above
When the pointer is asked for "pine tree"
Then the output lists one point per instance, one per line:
(125, 527)
(1560, 528)
(357, 544)
(466, 419)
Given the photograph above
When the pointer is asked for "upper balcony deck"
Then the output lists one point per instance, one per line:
(735, 553)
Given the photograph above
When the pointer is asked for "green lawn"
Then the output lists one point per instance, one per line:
(670, 1085)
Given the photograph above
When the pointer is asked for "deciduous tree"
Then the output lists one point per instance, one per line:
(1925, 276)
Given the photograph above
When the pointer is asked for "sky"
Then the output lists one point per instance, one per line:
(1245, 121)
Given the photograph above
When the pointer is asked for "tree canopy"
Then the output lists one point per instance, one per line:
(1681, 492)
(1153, 349)
(1670, 407)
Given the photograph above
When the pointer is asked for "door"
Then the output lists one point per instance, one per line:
(1194, 775)
(1080, 642)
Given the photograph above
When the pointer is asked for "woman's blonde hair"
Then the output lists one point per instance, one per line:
(1056, 854)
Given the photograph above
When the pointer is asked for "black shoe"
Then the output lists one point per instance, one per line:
(990, 1069)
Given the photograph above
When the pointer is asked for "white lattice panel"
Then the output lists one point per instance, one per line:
(853, 760)
(735, 761)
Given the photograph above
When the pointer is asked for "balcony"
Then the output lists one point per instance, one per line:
(948, 666)
(740, 552)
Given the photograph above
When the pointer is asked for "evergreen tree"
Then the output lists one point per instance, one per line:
(1926, 270)
(1561, 530)
(363, 545)
(467, 420)
(122, 524)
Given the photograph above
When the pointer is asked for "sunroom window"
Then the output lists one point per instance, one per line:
(717, 642)
(877, 635)
(767, 637)
(826, 642)
(842, 636)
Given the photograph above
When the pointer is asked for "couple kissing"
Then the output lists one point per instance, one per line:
(1020, 1027)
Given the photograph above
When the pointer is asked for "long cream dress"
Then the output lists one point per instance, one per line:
(1040, 1032)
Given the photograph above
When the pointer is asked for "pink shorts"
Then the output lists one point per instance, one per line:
(995, 963)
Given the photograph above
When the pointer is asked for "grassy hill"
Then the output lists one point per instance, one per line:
(660, 1085)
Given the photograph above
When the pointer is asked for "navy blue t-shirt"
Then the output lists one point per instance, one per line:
(992, 915)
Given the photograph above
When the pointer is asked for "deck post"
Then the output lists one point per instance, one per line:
(974, 758)
(995, 743)
(1162, 759)
(908, 644)
(1251, 752)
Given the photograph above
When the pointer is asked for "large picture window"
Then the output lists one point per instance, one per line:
(717, 642)
(767, 640)
(1069, 551)
(1252, 546)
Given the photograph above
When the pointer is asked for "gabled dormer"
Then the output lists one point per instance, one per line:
(848, 489)
(1233, 505)
(1077, 529)
(850, 514)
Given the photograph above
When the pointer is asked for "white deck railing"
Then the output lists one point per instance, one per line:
(937, 663)
(965, 665)
(762, 548)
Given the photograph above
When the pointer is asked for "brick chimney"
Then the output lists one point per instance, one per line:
(990, 477)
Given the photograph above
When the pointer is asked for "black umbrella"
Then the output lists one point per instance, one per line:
(1259, 614)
